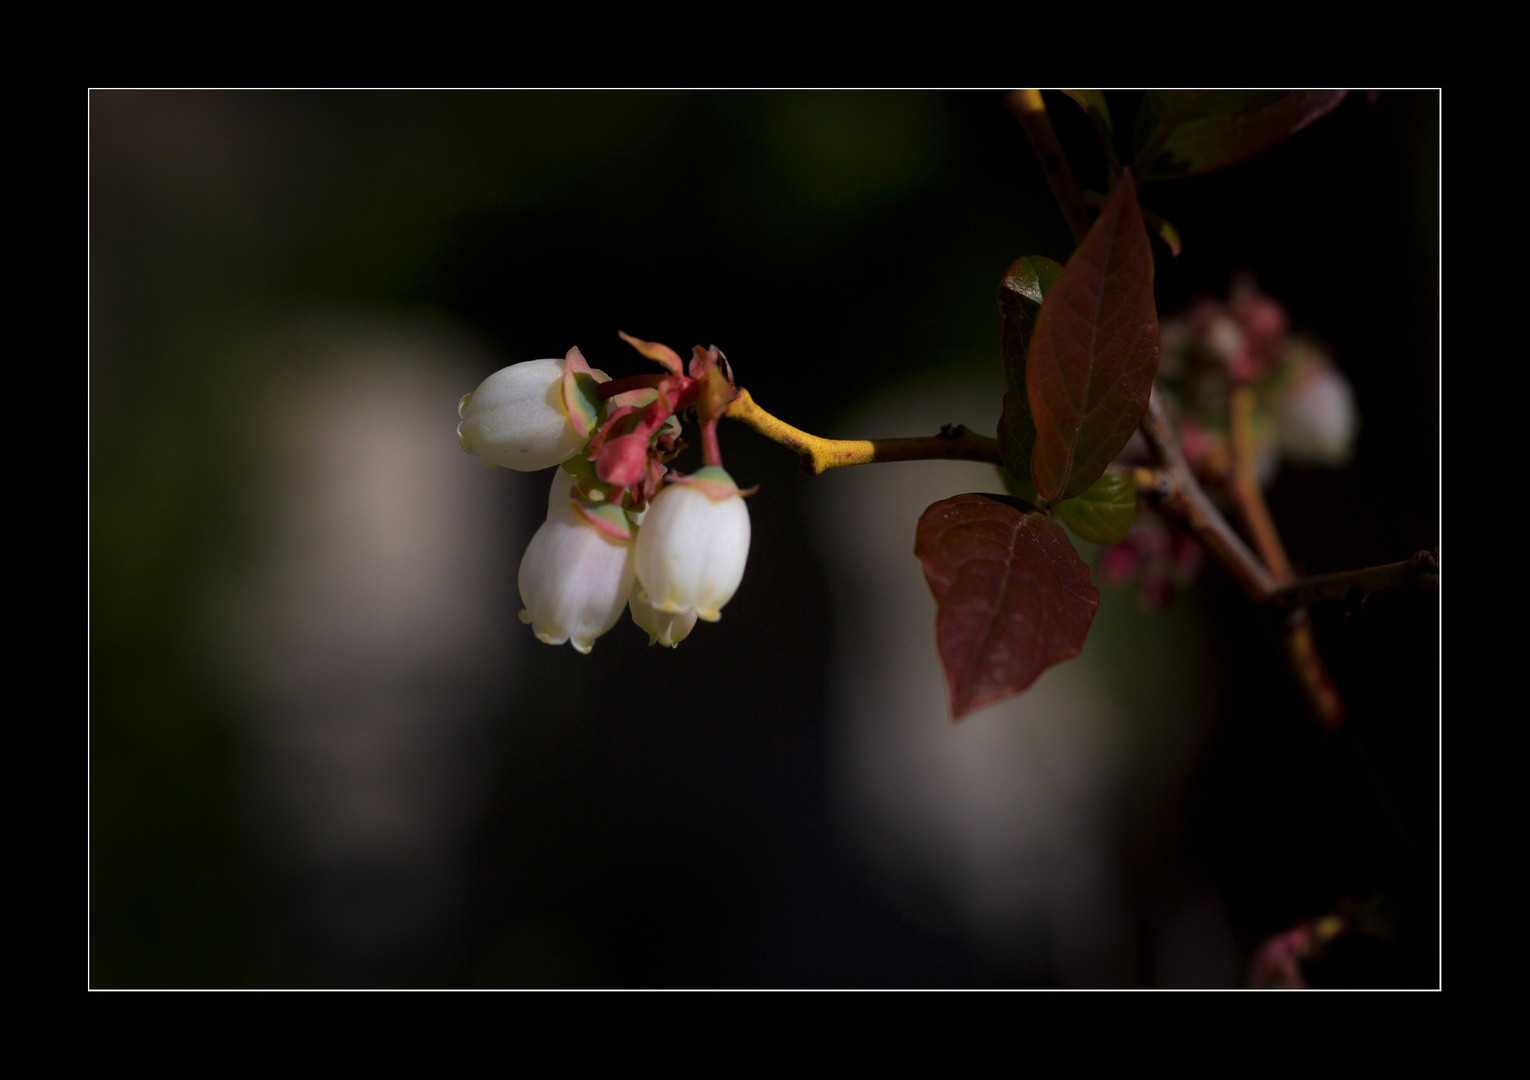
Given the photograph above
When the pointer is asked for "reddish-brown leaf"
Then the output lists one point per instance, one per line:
(1013, 597)
(1094, 351)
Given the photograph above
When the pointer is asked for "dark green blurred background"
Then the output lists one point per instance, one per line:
(324, 753)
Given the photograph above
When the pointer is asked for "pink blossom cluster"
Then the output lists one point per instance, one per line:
(1304, 413)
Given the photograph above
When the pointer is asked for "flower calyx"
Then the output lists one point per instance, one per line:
(606, 518)
(714, 482)
(580, 397)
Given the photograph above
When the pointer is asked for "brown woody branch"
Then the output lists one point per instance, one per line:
(1176, 492)
(1031, 111)
(1301, 647)
(1420, 572)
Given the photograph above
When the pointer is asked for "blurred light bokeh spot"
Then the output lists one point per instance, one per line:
(368, 624)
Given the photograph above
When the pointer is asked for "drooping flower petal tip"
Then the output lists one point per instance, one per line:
(667, 628)
(518, 417)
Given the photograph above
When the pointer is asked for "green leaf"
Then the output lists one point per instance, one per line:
(1021, 292)
(1013, 597)
(1188, 132)
(1165, 230)
(1094, 352)
(1163, 111)
(1017, 435)
(1093, 103)
(1103, 514)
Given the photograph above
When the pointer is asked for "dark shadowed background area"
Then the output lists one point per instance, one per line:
(324, 751)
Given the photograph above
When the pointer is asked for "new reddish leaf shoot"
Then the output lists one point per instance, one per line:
(1094, 351)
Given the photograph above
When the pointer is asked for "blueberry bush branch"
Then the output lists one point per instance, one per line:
(1031, 111)
(1422, 571)
(1301, 649)
(1180, 495)
(1245, 489)
(1093, 425)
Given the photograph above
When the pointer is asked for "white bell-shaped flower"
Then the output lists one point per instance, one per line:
(519, 417)
(693, 544)
(576, 576)
(1316, 417)
(668, 628)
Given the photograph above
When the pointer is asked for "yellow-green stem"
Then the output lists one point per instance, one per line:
(819, 455)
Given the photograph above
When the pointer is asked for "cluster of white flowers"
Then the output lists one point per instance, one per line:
(1306, 409)
(679, 559)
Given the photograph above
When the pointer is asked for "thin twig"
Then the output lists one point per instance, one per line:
(1311, 672)
(819, 455)
(1246, 492)
(1420, 572)
(1301, 646)
(1031, 111)
(1181, 497)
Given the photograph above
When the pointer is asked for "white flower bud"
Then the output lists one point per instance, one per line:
(693, 545)
(517, 418)
(1224, 338)
(663, 627)
(574, 579)
(561, 491)
(1316, 417)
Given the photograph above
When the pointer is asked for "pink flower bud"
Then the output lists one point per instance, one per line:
(623, 461)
